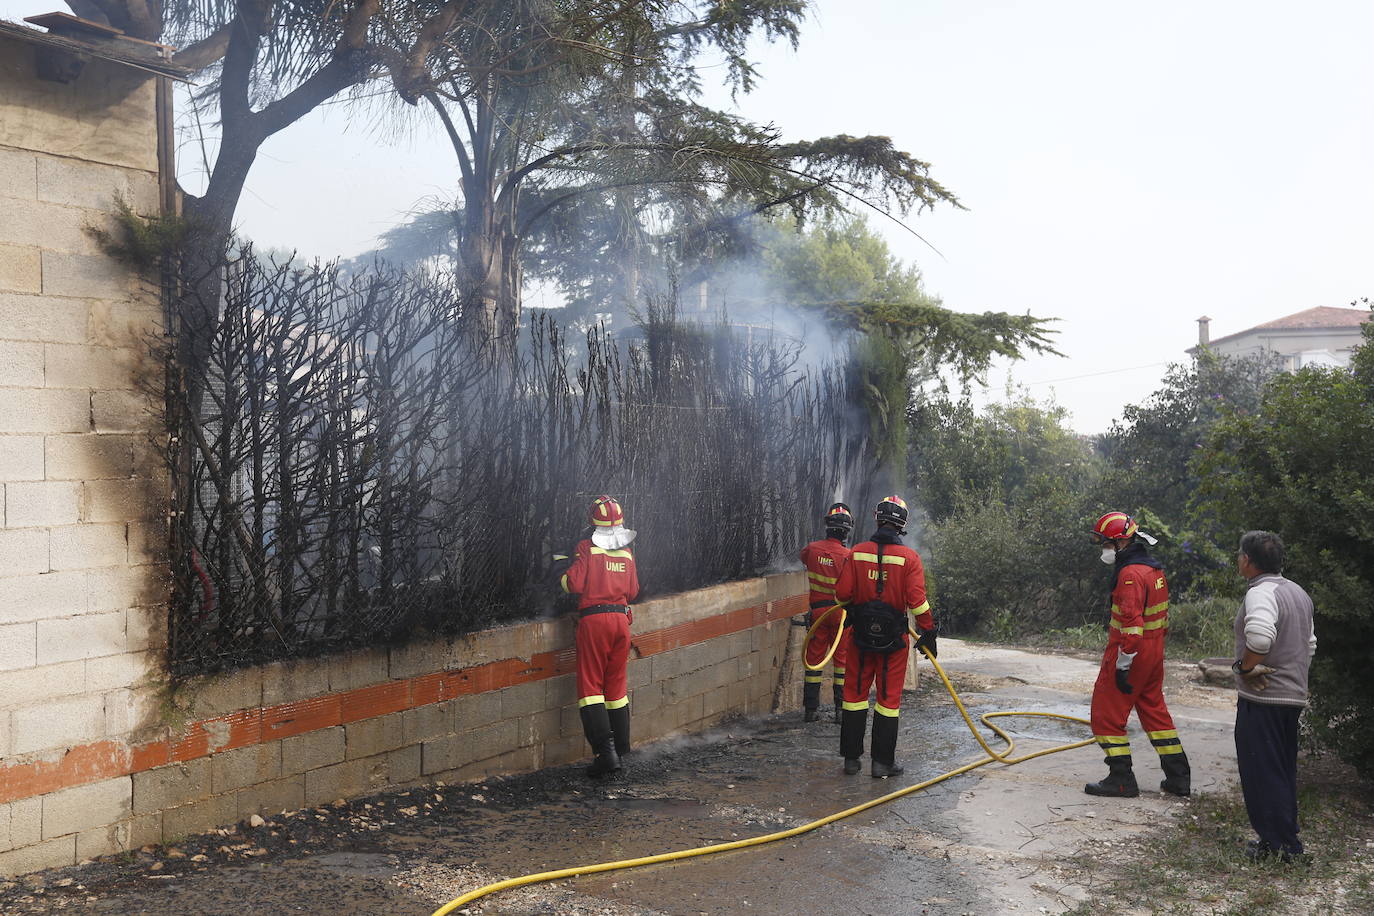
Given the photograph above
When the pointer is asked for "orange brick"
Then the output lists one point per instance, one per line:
(302, 716)
(366, 702)
(426, 689)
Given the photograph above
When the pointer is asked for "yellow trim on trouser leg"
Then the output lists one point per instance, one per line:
(618, 704)
(1114, 745)
(1166, 742)
(588, 701)
(860, 706)
(882, 710)
(813, 677)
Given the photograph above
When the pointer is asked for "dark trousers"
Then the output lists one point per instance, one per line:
(1267, 753)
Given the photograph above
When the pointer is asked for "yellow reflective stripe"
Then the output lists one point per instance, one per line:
(1115, 751)
(895, 561)
(813, 677)
(564, 582)
(1170, 749)
(882, 710)
(918, 611)
(1159, 624)
(618, 704)
(866, 557)
(588, 701)
(822, 589)
(1130, 631)
(1105, 740)
(839, 678)
(1154, 609)
(855, 707)
(602, 552)
(817, 577)
(1167, 733)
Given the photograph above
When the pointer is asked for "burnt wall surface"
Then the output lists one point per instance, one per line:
(290, 735)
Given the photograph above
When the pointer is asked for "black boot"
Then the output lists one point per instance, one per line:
(1119, 782)
(620, 726)
(884, 750)
(811, 701)
(1178, 776)
(596, 724)
(853, 724)
(838, 690)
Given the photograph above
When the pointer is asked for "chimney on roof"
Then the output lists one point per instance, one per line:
(1203, 333)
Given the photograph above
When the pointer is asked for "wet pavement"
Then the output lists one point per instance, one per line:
(993, 841)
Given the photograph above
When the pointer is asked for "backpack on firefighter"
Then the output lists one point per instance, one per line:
(878, 626)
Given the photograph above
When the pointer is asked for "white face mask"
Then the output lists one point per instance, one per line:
(1109, 555)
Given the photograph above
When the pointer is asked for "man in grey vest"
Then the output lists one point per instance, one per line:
(1274, 647)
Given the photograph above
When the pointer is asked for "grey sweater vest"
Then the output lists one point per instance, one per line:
(1277, 611)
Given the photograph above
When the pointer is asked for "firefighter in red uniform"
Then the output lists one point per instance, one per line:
(603, 577)
(1132, 673)
(823, 560)
(881, 583)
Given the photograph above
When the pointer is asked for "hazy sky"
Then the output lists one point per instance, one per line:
(1127, 167)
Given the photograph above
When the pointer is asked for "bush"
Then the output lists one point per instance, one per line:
(1202, 629)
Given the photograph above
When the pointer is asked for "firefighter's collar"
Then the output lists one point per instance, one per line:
(613, 538)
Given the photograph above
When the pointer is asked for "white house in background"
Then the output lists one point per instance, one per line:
(1321, 336)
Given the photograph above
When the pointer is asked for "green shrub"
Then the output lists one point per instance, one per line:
(1202, 628)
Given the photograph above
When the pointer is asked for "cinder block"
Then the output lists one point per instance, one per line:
(522, 700)
(77, 183)
(130, 711)
(124, 836)
(54, 594)
(221, 694)
(162, 788)
(24, 317)
(375, 736)
(131, 324)
(36, 222)
(245, 766)
(88, 456)
(87, 636)
(21, 362)
(79, 366)
(25, 551)
(34, 504)
(28, 686)
(21, 269)
(198, 817)
(21, 458)
(26, 822)
(18, 646)
(564, 750)
(351, 670)
(18, 175)
(342, 780)
(286, 682)
(146, 627)
(116, 588)
(403, 765)
(98, 804)
(119, 411)
(271, 798)
(48, 854)
(128, 669)
(312, 750)
(88, 546)
(126, 500)
(61, 723)
(445, 753)
(426, 722)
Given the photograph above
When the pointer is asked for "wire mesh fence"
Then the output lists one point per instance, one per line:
(357, 462)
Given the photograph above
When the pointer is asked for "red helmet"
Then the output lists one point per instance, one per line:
(838, 517)
(606, 512)
(1114, 525)
(892, 510)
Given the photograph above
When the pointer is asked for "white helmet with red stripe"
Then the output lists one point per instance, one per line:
(608, 524)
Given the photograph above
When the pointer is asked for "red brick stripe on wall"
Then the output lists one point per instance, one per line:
(109, 759)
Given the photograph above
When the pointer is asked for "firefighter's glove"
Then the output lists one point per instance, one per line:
(629, 614)
(926, 640)
(1123, 669)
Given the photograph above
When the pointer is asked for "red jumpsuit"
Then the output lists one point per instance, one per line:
(904, 587)
(605, 582)
(823, 560)
(1140, 621)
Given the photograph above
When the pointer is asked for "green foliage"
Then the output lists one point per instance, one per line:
(142, 242)
(1202, 628)
(1303, 465)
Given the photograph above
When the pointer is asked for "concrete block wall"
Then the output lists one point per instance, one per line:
(286, 736)
(82, 507)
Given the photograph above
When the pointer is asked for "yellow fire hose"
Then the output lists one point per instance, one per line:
(1002, 757)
